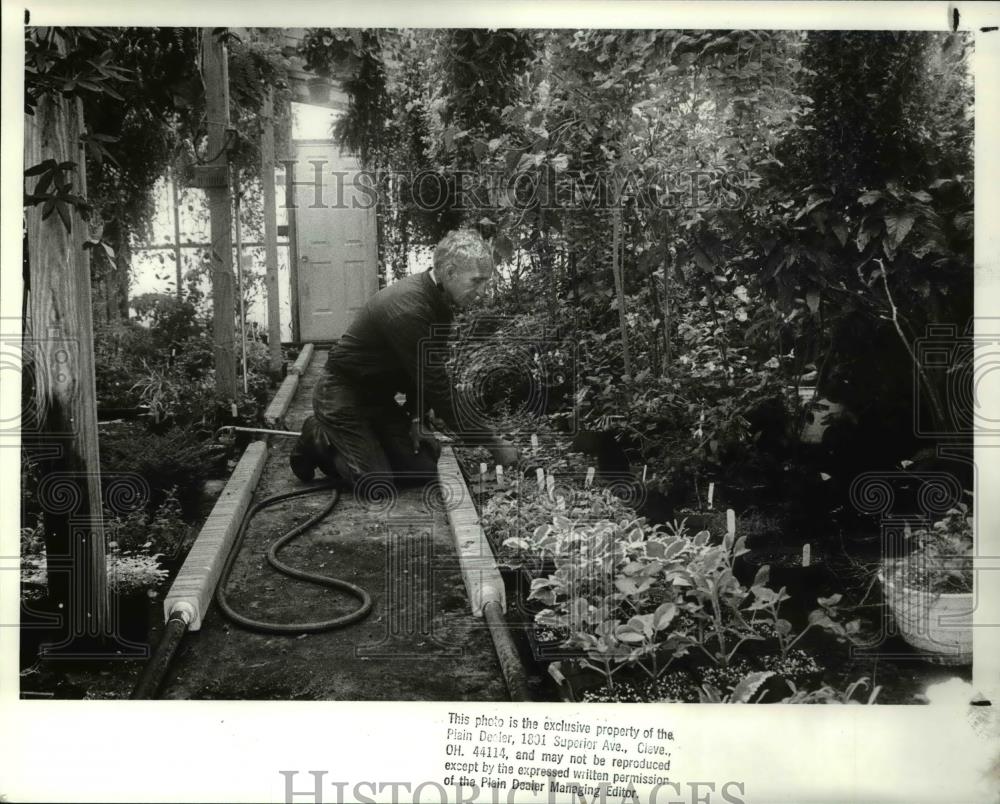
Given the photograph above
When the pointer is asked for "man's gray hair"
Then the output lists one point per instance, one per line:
(459, 248)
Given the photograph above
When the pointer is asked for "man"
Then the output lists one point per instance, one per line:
(358, 428)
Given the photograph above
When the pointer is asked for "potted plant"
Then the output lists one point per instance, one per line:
(929, 590)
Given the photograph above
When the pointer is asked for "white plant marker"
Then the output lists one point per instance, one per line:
(806, 554)
(499, 475)
(645, 466)
(234, 410)
(711, 494)
(483, 469)
(550, 485)
(540, 474)
(590, 477)
(731, 521)
(534, 441)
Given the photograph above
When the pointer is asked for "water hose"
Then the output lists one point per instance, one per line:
(311, 627)
(181, 617)
(153, 674)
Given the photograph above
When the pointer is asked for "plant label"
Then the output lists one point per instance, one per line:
(590, 477)
(806, 554)
(483, 469)
(711, 494)
(550, 484)
(499, 475)
(534, 441)
(540, 474)
(731, 521)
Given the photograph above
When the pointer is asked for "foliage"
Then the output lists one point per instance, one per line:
(750, 687)
(357, 54)
(627, 595)
(941, 559)
(162, 531)
(165, 361)
(517, 520)
(174, 463)
(128, 571)
(873, 247)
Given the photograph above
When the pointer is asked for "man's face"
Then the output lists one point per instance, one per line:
(467, 281)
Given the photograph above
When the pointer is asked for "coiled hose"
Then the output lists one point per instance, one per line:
(286, 569)
(154, 673)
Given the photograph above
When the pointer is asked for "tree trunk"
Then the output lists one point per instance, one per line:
(616, 269)
(667, 346)
(65, 432)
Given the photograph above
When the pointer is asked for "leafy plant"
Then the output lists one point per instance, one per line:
(829, 695)
(174, 463)
(768, 602)
(163, 531)
(520, 517)
(941, 561)
(129, 573)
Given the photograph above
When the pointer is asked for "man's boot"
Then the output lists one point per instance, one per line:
(304, 458)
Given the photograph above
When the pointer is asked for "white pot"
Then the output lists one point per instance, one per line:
(940, 625)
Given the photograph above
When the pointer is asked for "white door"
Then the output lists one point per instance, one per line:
(337, 258)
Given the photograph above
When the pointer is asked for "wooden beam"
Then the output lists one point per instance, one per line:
(216, 76)
(62, 345)
(293, 272)
(270, 234)
(177, 237)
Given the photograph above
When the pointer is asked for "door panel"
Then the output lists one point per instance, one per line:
(337, 270)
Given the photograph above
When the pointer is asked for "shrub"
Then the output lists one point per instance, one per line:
(163, 532)
(129, 573)
(175, 460)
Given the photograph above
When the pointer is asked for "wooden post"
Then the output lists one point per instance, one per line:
(177, 236)
(270, 234)
(240, 293)
(62, 345)
(216, 75)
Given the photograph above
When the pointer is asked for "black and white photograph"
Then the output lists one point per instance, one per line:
(505, 370)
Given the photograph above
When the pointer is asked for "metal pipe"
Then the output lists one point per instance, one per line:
(255, 430)
(149, 683)
(510, 662)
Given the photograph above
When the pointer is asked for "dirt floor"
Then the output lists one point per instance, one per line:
(420, 641)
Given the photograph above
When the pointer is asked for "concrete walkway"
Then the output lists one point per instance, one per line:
(420, 641)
